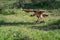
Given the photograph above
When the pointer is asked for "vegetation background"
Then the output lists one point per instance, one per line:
(18, 25)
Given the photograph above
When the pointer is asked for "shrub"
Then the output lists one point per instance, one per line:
(7, 11)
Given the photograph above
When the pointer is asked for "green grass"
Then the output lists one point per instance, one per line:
(23, 33)
(20, 26)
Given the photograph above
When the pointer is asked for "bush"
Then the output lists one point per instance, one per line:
(7, 11)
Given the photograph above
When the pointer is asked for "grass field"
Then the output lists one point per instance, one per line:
(20, 26)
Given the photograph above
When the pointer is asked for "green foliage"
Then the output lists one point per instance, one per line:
(7, 11)
(20, 26)
(42, 4)
(21, 33)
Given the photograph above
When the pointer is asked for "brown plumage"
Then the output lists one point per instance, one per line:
(45, 15)
(39, 14)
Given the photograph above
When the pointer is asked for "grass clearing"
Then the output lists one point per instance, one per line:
(20, 26)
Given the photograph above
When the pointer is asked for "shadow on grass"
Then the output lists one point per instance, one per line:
(43, 5)
(51, 26)
(16, 23)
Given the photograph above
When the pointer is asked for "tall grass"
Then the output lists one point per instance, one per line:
(18, 25)
(21, 33)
